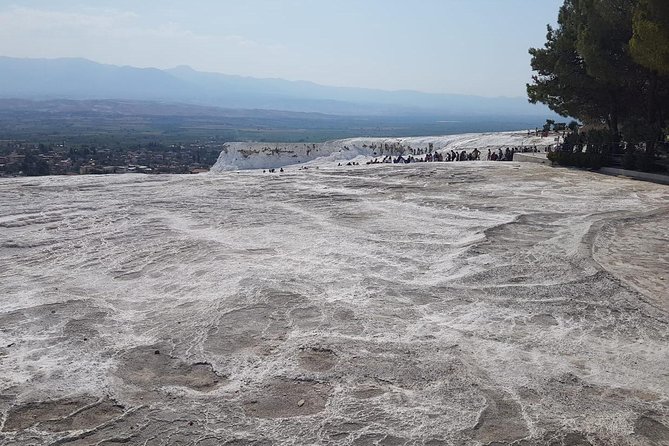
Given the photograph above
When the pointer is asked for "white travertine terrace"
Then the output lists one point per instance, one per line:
(437, 303)
(264, 155)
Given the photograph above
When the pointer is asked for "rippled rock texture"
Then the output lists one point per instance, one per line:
(431, 304)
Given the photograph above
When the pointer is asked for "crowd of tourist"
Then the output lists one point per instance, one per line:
(427, 156)
(398, 155)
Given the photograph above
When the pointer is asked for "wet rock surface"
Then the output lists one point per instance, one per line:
(148, 368)
(284, 398)
(317, 359)
(385, 305)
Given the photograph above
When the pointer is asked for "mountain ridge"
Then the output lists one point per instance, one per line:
(83, 79)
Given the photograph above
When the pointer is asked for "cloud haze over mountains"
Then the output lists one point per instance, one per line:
(75, 78)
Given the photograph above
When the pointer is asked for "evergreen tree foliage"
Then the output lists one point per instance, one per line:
(607, 62)
(562, 81)
(34, 166)
(650, 44)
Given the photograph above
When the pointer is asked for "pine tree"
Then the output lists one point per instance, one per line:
(608, 62)
(649, 45)
(565, 81)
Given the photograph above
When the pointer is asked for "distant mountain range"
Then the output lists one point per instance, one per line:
(81, 79)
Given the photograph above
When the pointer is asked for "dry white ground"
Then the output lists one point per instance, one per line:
(426, 304)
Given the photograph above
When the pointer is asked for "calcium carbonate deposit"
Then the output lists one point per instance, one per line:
(244, 155)
(470, 303)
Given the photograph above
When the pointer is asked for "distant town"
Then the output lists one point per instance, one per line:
(26, 158)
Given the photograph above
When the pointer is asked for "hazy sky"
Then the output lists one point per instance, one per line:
(444, 46)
